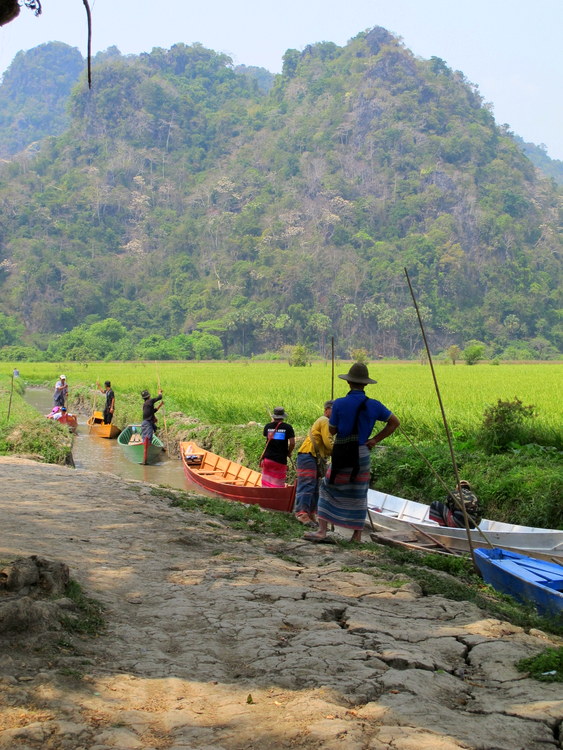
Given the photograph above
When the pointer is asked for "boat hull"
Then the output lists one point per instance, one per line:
(233, 481)
(97, 427)
(135, 452)
(392, 513)
(524, 578)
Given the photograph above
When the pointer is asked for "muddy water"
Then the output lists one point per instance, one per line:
(99, 454)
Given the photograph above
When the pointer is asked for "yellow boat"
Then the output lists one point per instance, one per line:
(99, 429)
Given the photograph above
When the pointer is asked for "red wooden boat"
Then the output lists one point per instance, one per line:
(233, 481)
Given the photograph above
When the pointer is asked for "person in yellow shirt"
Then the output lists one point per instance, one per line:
(311, 459)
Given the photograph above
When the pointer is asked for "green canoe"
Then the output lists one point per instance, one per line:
(131, 442)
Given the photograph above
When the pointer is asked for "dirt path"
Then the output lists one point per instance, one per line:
(219, 641)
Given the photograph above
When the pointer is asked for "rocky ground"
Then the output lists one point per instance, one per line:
(216, 640)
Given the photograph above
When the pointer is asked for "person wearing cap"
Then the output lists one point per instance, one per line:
(109, 407)
(343, 491)
(61, 391)
(310, 465)
(280, 442)
(148, 425)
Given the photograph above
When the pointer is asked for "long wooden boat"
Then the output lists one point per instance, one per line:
(392, 513)
(231, 480)
(133, 447)
(98, 428)
(524, 578)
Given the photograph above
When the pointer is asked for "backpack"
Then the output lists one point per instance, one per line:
(346, 450)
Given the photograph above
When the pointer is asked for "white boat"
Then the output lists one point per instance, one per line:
(390, 513)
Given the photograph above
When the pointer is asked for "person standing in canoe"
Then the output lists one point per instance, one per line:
(61, 391)
(148, 425)
(343, 492)
(280, 442)
(311, 467)
(109, 407)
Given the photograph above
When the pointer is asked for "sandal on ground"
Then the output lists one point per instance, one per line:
(303, 517)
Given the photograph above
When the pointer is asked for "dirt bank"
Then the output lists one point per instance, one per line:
(216, 640)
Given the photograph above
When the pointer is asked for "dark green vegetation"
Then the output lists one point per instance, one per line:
(546, 666)
(89, 618)
(522, 486)
(450, 577)
(185, 197)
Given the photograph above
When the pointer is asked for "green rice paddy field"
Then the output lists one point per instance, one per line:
(239, 392)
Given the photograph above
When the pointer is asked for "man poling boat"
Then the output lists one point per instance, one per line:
(148, 425)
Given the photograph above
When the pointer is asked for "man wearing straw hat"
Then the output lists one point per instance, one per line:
(343, 491)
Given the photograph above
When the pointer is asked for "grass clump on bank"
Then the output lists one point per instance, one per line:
(26, 433)
(249, 518)
(89, 619)
(547, 666)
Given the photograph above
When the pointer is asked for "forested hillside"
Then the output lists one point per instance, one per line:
(34, 94)
(188, 199)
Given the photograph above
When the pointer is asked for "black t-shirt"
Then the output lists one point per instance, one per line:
(281, 433)
(148, 408)
(109, 397)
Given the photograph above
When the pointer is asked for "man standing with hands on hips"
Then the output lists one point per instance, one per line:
(343, 492)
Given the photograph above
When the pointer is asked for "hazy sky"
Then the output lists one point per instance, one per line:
(512, 50)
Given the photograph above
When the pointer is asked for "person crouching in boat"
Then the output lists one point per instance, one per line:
(343, 492)
(450, 513)
(280, 442)
(311, 467)
(148, 425)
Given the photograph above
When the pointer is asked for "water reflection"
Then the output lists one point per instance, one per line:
(99, 454)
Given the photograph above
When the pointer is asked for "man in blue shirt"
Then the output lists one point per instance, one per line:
(343, 495)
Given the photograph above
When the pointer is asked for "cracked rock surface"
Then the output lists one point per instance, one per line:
(220, 640)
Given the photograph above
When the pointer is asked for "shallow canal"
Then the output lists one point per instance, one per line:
(99, 454)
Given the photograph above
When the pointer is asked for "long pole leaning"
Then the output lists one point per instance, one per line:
(332, 380)
(10, 401)
(445, 421)
(163, 415)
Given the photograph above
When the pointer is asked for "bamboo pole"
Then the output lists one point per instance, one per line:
(163, 414)
(332, 382)
(94, 398)
(445, 421)
(454, 497)
(10, 401)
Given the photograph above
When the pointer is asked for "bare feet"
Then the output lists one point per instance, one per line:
(356, 536)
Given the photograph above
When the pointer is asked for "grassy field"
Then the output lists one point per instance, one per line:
(239, 392)
(520, 484)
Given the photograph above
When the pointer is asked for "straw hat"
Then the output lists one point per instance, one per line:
(358, 373)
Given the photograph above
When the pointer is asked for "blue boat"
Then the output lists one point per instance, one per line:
(529, 580)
